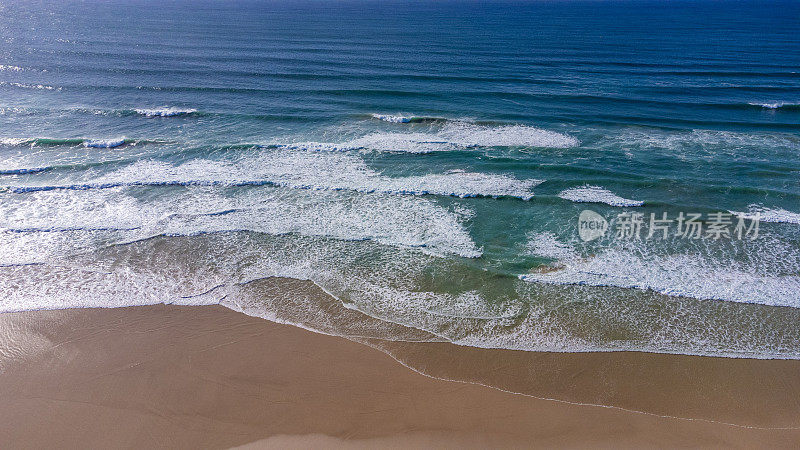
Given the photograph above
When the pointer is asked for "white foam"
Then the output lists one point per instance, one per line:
(687, 274)
(165, 111)
(442, 314)
(29, 86)
(320, 146)
(765, 214)
(316, 171)
(392, 118)
(546, 244)
(391, 213)
(388, 219)
(463, 184)
(59, 287)
(10, 68)
(104, 143)
(775, 105)
(702, 144)
(472, 305)
(15, 141)
(204, 270)
(596, 194)
(452, 136)
(467, 134)
(64, 210)
(405, 143)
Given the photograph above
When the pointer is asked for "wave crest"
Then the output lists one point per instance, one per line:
(696, 273)
(165, 112)
(453, 136)
(777, 105)
(764, 214)
(596, 194)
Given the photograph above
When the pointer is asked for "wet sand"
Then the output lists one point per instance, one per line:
(209, 377)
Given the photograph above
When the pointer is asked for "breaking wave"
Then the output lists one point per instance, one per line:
(596, 194)
(105, 143)
(767, 280)
(387, 219)
(74, 142)
(44, 87)
(777, 105)
(453, 136)
(23, 171)
(764, 214)
(165, 112)
(302, 170)
(396, 118)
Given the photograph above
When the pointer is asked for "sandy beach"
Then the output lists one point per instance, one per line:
(396, 224)
(209, 377)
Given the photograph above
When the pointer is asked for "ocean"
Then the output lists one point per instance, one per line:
(426, 163)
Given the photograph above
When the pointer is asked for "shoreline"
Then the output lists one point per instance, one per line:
(183, 376)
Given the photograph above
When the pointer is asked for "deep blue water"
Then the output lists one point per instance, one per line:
(424, 162)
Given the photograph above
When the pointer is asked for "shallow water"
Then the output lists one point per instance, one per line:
(424, 163)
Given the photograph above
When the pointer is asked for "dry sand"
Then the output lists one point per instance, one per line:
(209, 377)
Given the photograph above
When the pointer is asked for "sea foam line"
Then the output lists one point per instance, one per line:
(453, 136)
(303, 170)
(105, 143)
(30, 86)
(399, 118)
(764, 214)
(692, 275)
(777, 104)
(74, 142)
(596, 194)
(165, 111)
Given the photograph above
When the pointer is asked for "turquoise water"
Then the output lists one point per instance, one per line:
(424, 162)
